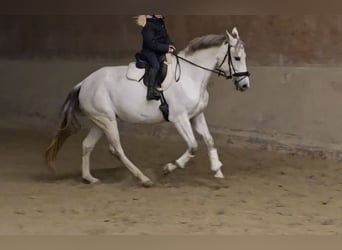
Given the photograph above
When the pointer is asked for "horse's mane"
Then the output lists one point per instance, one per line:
(204, 42)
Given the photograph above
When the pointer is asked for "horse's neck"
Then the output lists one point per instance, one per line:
(205, 58)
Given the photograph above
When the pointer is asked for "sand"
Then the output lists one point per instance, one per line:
(263, 192)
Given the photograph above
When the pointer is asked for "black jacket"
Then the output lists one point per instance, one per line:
(155, 37)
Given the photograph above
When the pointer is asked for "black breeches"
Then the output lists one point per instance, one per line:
(153, 59)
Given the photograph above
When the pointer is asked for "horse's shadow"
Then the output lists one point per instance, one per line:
(120, 176)
(105, 175)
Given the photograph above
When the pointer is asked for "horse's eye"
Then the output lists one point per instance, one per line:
(237, 58)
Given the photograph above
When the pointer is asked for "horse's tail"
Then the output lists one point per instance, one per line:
(69, 125)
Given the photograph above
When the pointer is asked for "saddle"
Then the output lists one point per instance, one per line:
(142, 64)
(140, 69)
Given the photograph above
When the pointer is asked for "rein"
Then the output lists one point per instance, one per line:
(218, 70)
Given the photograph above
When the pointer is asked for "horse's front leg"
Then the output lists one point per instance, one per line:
(184, 128)
(201, 127)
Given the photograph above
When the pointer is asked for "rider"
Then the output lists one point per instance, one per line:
(156, 43)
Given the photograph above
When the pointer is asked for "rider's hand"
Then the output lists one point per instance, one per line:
(172, 48)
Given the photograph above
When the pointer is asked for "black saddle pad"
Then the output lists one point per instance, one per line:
(143, 64)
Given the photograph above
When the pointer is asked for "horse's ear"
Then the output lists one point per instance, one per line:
(235, 33)
(230, 38)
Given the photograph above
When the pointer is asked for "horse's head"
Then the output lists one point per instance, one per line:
(232, 60)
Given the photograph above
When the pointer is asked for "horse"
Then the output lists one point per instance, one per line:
(107, 95)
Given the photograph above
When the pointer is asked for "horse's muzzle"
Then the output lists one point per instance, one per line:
(243, 87)
(241, 80)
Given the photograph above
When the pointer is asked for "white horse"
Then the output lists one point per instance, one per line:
(107, 95)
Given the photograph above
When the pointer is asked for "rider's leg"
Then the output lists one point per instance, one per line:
(152, 92)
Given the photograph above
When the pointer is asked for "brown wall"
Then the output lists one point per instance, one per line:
(270, 40)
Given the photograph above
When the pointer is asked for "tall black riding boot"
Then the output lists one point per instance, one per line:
(152, 92)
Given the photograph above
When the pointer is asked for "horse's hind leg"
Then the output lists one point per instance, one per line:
(88, 145)
(111, 131)
(183, 126)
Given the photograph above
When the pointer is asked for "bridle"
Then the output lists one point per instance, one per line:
(241, 75)
(218, 70)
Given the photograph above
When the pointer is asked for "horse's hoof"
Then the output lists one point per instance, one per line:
(91, 180)
(168, 168)
(219, 174)
(147, 183)
(216, 166)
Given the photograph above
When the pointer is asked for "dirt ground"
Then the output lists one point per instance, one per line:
(263, 192)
